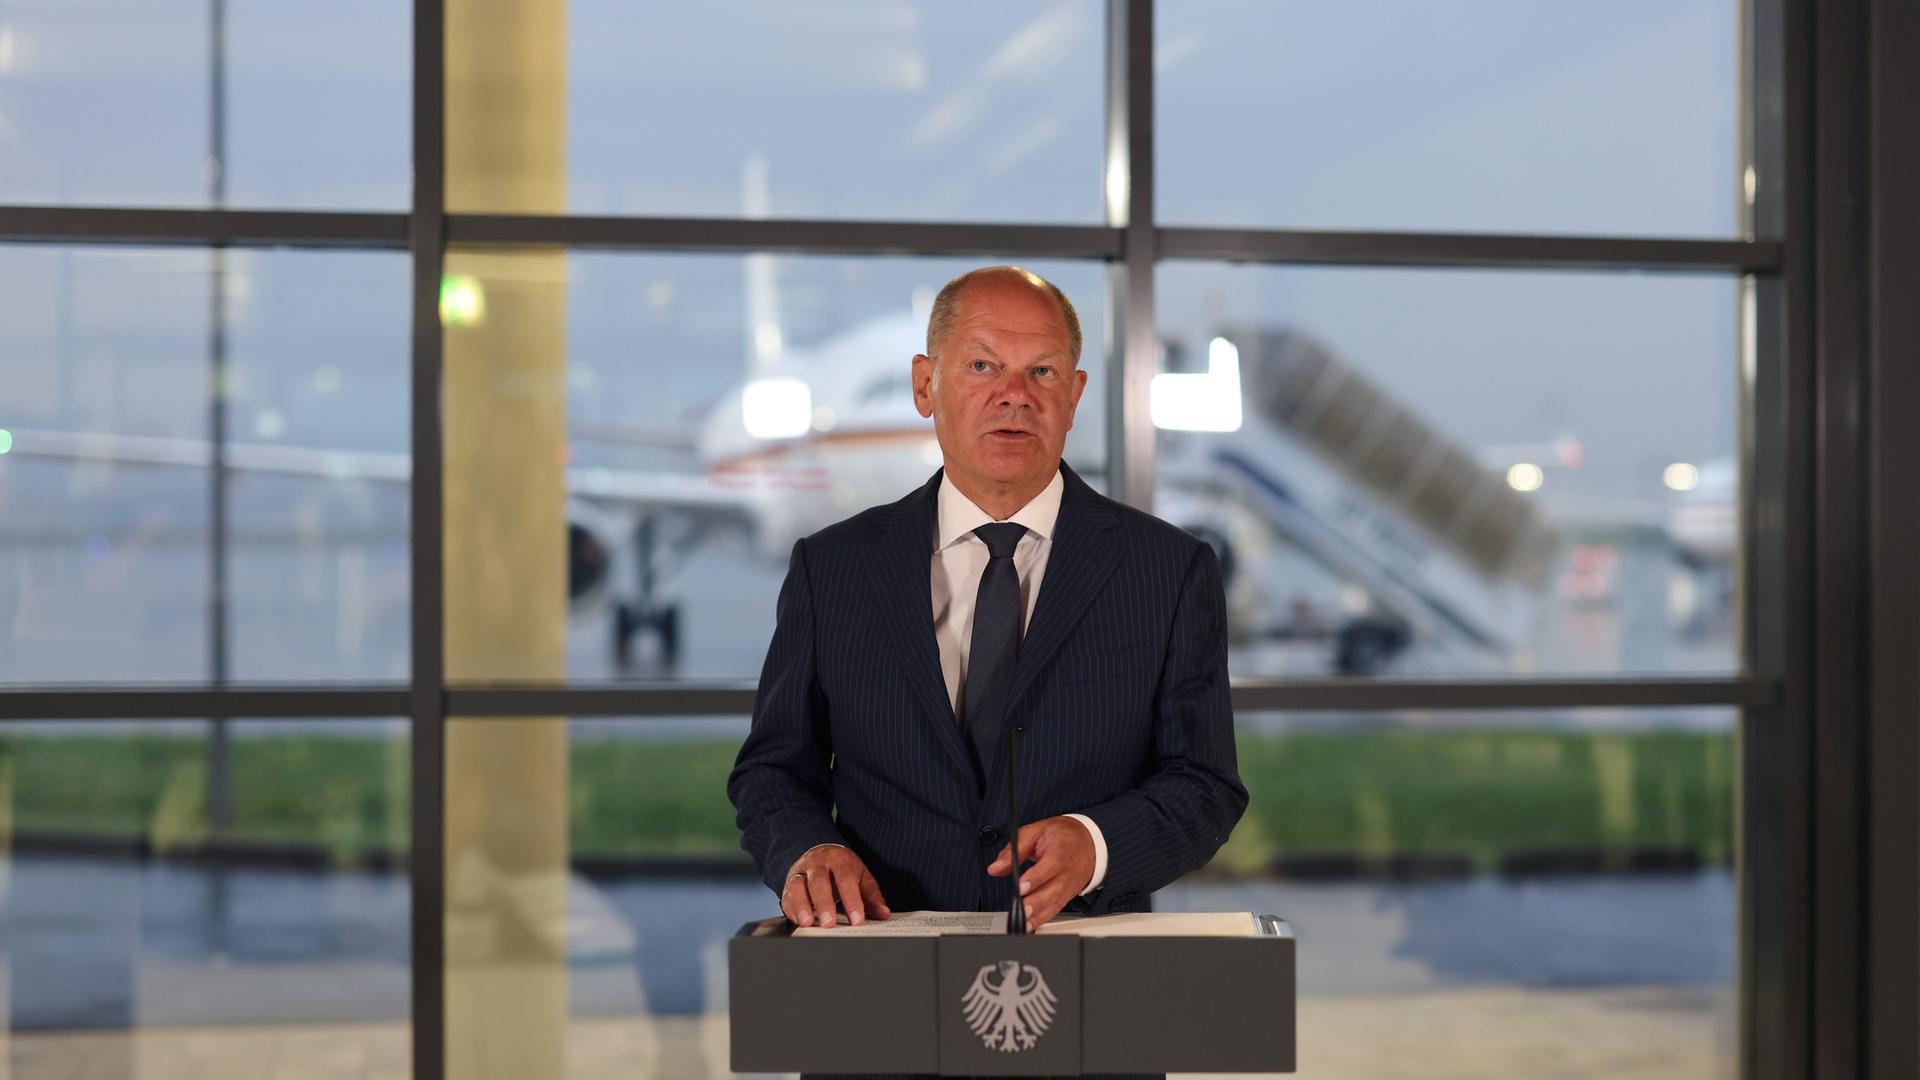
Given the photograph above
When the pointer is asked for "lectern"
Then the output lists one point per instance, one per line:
(932, 993)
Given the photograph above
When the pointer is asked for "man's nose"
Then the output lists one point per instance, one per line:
(1013, 389)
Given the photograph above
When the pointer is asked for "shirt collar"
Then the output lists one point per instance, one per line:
(959, 516)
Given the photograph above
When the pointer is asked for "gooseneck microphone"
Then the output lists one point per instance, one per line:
(1016, 910)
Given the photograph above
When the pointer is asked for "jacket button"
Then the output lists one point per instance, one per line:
(989, 836)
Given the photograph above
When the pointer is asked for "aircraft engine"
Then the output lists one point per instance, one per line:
(592, 539)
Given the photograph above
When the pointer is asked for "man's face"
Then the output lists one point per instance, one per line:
(1003, 389)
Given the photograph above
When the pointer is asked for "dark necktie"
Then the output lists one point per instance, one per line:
(996, 640)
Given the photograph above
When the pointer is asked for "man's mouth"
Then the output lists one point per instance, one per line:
(1010, 433)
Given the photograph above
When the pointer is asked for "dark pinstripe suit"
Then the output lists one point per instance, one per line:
(1121, 686)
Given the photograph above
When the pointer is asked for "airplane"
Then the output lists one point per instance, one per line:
(1346, 526)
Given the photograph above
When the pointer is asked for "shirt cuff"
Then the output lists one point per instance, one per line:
(1099, 852)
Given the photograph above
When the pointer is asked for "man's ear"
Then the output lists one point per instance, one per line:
(923, 384)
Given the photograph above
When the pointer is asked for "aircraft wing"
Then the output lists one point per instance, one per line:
(626, 487)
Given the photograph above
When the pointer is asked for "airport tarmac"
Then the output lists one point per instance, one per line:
(95, 944)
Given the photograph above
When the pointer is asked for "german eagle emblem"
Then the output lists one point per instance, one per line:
(1009, 1005)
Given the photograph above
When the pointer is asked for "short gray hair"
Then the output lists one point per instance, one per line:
(940, 321)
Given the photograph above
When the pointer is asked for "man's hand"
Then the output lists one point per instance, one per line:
(1062, 854)
(818, 875)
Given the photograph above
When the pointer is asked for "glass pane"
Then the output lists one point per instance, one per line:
(1510, 893)
(113, 102)
(620, 831)
(1500, 894)
(916, 109)
(148, 933)
(107, 551)
(1456, 472)
(610, 391)
(1491, 116)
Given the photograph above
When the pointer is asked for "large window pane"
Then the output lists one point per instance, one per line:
(1490, 116)
(620, 832)
(870, 109)
(1511, 892)
(1497, 894)
(107, 540)
(113, 102)
(144, 933)
(1416, 472)
(634, 442)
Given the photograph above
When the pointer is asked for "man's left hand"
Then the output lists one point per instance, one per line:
(1062, 854)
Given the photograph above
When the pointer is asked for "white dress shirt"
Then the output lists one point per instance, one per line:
(959, 558)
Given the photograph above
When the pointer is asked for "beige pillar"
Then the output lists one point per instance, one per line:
(505, 428)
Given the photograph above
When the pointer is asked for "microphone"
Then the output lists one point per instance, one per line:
(1016, 909)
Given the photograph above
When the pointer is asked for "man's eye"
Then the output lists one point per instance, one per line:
(1043, 370)
(979, 365)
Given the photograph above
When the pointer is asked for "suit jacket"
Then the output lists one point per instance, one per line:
(1120, 685)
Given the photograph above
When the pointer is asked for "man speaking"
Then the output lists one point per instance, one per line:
(1003, 592)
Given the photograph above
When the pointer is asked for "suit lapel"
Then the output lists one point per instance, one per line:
(1077, 567)
(903, 593)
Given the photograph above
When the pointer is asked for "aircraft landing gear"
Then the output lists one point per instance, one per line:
(646, 612)
(631, 620)
(1365, 646)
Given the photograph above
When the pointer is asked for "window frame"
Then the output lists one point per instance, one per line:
(1797, 496)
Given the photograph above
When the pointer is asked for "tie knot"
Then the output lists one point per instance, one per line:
(1001, 537)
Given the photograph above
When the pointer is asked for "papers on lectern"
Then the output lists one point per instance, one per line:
(1135, 924)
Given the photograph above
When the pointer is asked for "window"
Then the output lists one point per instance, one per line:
(1492, 116)
(111, 541)
(691, 416)
(1501, 476)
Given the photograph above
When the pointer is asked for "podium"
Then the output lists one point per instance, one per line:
(1147, 992)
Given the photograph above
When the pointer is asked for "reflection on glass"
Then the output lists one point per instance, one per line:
(149, 934)
(630, 978)
(696, 415)
(1495, 116)
(111, 102)
(1505, 894)
(742, 108)
(1455, 472)
(107, 530)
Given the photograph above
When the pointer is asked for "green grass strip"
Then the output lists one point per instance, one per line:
(1480, 793)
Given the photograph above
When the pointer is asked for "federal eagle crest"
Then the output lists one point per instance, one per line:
(1009, 1005)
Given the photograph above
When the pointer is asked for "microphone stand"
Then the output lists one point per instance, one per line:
(1016, 910)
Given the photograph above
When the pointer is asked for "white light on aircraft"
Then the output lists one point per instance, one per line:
(1526, 476)
(824, 418)
(776, 408)
(1180, 401)
(1681, 476)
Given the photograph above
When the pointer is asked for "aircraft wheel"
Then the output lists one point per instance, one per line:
(1366, 646)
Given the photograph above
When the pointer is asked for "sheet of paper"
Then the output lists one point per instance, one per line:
(917, 924)
(1134, 924)
(1158, 924)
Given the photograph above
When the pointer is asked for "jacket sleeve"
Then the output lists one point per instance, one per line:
(1175, 820)
(781, 782)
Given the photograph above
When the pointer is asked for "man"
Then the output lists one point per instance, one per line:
(1004, 592)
